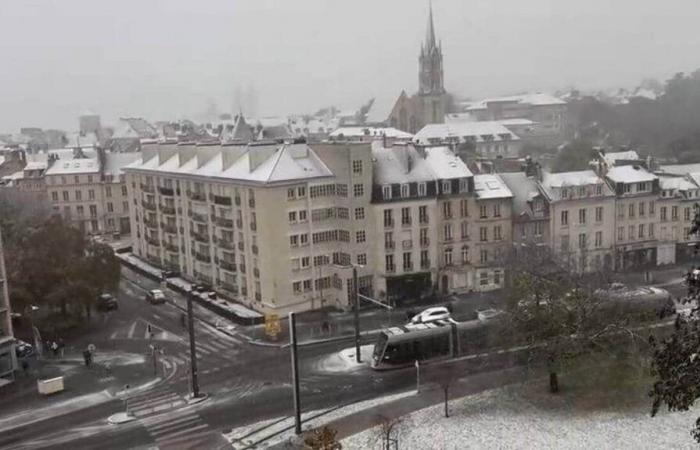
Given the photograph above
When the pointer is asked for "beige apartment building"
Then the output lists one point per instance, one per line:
(8, 359)
(278, 227)
(676, 202)
(581, 207)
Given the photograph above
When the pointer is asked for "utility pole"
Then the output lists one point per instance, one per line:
(193, 348)
(356, 300)
(295, 373)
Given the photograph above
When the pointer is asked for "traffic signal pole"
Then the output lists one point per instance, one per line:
(295, 373)
(193, 348)
(356, 307)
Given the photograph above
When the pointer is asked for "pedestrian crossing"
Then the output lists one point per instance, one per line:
(142, 329)
(212, 353)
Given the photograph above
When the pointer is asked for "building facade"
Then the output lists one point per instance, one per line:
(8, 359)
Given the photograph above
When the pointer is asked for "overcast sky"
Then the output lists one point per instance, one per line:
(169, 59)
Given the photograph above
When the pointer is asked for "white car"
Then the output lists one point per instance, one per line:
(431, 315)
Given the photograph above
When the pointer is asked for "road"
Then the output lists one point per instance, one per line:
(246, 383)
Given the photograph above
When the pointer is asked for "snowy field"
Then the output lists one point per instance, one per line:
(526, 417)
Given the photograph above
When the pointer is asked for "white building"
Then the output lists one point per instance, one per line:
(487, 139)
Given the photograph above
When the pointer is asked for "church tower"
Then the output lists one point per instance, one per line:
(431, 89)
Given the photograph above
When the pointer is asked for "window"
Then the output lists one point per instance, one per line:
(564, 193)
(582, 216)
(663, 213)
(651, 208)
(302, 215)
(357, 166)
(76, 179)
(448, 256)
(54, 196)
(630, 212)
(423, 214)
(627, 188)
(446, 187)
(582, 241)
(389, 263)
(674, 213)
(65, 196)
(78, 195)
(599, 214)
(294, 240)
(424, 259)
(464, 228)
(405, 191)
(447, 229)
(620, 211)
(422, 191)
(483, 234)
(598, 189)
(91, 194)
(305, 262)
(292, 216)
(539, 227)
(483, 278)
(465, 254)
(565, 243)
(108, 191)
(686, 213)
(407, 263)
(497, 233)
(484, 256)
(620, 233)
(307, 285)
(423, 236)
(296, 286)
(598, 238)
(405, 216)
(463, 208)
(463, 185)
(358, 190)
(125, 206)
(388, 218)
(641, 231)
(362, 259)
(564, 218)
(386, 192)
(447, 210)
(359, 213)
(110, 207)
(651, 230)
(630, 233)
(482, 212)
(582, 191)
(644, 186)
(497, 210)
(80, 210)
(389, 240)
(640, 209)
(301, 191)
(360, 236)
(291, 193)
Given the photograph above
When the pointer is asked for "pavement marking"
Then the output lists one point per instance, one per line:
(200, 349)
(114, 335)
(155, 424)
(161, 429)
(132, 329)
(177, 360)
(174, 436)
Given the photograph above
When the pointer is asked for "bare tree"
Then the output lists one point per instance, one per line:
(445, 375)
(322, 439)
(387, 431)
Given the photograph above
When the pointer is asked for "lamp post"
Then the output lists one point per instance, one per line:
(193, 348)
(295, 373)
(356, 307)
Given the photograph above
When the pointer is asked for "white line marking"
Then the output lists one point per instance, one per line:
(179, 424)
(132, 330)
(181, 433)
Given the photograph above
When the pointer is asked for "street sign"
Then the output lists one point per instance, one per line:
(272, 325)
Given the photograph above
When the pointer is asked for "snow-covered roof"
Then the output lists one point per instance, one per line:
(35, 165)
(681, 169)
(115, 162)
(515, 122)
(371, 132)
(445, 164)
(493, 131)
(676, 183)
(629, 174)
(399, 164)
(74, 166)
(271, 163)
(490, 186)
(460, 117)
(612, 157)
(569, 179)
(538, 99)
(381, 108)
(524, 190)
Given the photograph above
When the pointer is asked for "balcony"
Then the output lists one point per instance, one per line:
(407, 244)
(219, 200)
(222, 221)
(172, 229)
(253, 226)
(227, 265)
(389, 245)
(151, 224)
(171, 247)
(425, 265)
(197, 196)
(389, 223)
(424, 242)
(225, 244)
(201, 257)
(169, 210)
(256, 272)
(148, 188)
(150, 206)
(202, 218)
(200, 237)
(153, 241)
(406, 222)
(169, 192)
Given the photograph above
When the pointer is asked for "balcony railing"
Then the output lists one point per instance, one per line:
(197, 196)
(172, 229)
(219, 200)
(200, 237)
(171, 247)
(202, 257)
(388, 223)
(389, 245)
(424, 265)
(198, 217)
(424, 242)
(151, 224)
(241, 246)
(391, 269)
(407, 244)
(148, 188)
(166, 191)
(222, 221)
(408, 267)
(423, 220)
(149, 205)
(169, 210)
(227, 265)
(153, 241)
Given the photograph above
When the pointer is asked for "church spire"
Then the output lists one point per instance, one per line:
(430, 32)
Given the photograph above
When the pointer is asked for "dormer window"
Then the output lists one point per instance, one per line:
(386, 192)
(626, 188)
(598, 189)
(463, 185)
(446, 187)
(404, 191)
(564, 193)
(422, 191)
(582, 191)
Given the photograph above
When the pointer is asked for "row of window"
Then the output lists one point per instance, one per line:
(447, 259)
(582, 241)
(640, 232)
(297, 240)
(581, 191)
(405, 189)
(64, 180)
(582, 216)
(321, 214)
(640, 209)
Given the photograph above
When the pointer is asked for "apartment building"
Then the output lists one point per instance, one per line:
(487, 139)
(676, 209)
(530, 216)
(8, 359)
(581, 207)
(276, 226)
(90, 192)
(635, 225)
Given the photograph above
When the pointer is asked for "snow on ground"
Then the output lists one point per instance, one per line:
(525, 416)
(344, 360)
(309, 421)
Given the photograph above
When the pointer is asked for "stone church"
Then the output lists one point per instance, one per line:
(428, 105)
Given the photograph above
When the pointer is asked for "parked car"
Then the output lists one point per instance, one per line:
(107, 302)
(156, 296)
(23, 349)
(431, 315)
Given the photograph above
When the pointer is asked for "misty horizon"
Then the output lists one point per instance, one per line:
(167, 60)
